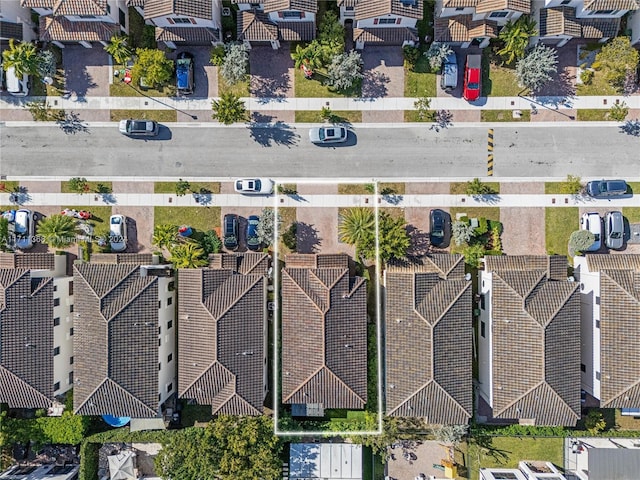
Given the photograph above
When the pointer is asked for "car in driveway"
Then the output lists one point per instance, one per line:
(184, 73)
(472, 78)
(328, 134)
(614, 230)
(253, 243)
(118, 233)
(254, 186)
(139, 128)
(607, 188)
(230, 231)
(449, 75)
(24, 228)
(439, 235)
(591, 222)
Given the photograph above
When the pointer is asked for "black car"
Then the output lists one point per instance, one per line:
(252, 233)
(439, 228)
(230, 229)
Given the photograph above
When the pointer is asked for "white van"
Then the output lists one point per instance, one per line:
(15, 86)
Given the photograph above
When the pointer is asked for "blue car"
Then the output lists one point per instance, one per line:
(184, 73)
(252, 233)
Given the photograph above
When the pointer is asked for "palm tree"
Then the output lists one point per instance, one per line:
(188, 255)
(58, 231)
(118, 49)
(515, 36)
(311, 55)
(356, 225)
(164, 235)
(22, 56)
(229, 109)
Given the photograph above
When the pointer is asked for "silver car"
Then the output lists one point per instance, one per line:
(139, 128)
(328, 134)
(118, 233)
(614, 230)
(23, 229)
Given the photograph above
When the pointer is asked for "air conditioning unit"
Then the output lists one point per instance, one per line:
(226, 12)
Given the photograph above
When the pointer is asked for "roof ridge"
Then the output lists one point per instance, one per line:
(304, 292)
(563, 303)
(126, 392)
(453, 301)
(509, 405)
(238, 297)
(621, 287)
(307, 380)
(421, 387)
(206, 370)
(27, 384)
(237, 396)
(343, 383)
(621, 392)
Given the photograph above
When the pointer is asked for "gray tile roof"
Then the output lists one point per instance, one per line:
(297, 31)
(428, 375)
(376, 8)
(190, 35)
(300, 5)
(26, 340)
(116, 341)
(222, 333)
(187, 8)
(536, 342)
(11, 30)
(256, 27)
(324, 332)
(37, 261)
(385, 36)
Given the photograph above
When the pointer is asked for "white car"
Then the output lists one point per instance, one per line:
(254, 186)
(328, 134)
(23, 229)
(139, 128)
(118, 233)
(591, 221)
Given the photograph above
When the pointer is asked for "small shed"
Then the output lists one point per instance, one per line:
(121, 466)
(330, 461)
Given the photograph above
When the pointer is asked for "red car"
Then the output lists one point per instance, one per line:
(472, 76)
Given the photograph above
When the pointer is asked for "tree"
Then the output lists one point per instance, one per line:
(46, 64)
(188, 455)
(79, 185)
(182, 187)
(423, 109)
(595, 422)
(535, 70)
(473, 253)
(187, 254)
(462, 232)
(153, 65)
(572, 185)
(331, 34)
(345, 70)
(579, 241)
(515, 36)
(312, 55)
(229, 109)
(22, 56)
(393, 241)
(234, 65)
(58, 231)
(266, 228)
(119, 49)
(619, 112)
(356, 225)
(450, 436)
(42, 112)
(476, 187)
(211, 243)
(164, 235)
(617, 59)
(437, 54)
(217, 55)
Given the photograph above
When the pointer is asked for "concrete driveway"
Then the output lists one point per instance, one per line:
(524, 228)
(86, 71)
(383, 77)
(271, 72)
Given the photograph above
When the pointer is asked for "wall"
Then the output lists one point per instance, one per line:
(62, 336)
(485, 363)
(167, 336)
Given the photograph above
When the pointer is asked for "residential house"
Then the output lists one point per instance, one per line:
(15, 22)
(529, 340)
(124, 336)
(382, 22)
(273, 21)
(610, 301)
(222, 351)
(324, 334)
(79, 21)
(36, 330)
(428, 337)
(475, 22)
(183, 22)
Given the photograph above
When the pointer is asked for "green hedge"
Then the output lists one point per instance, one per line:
(89, 460)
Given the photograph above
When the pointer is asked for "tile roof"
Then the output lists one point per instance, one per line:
(191, 35)
(376, 8)
(297, 31)
(600, 27)
(595, 5)
(26, 340)
(11, 30)
(36, 261)
(63, 30)
(536, 343)
(459, 3)
(428, 375)
(300, 5)
(597, 263)
(133, 258)
(256, 27)
(559, 21)
(188, 8)
(385, 36)
(486, 6)
(135, 3)
(324, 332)
(221, 336)
(69, 7)
(116, 340)
(463, 28)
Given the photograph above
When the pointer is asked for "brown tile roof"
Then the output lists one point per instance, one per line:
(221, 336)
(595, 5)
(377, 8)
(459, 3)
(559, 21)
(115, 258)
(428, 375)
(486, 6)
(36, 261)
(463, 28)
(324, 332)
(385, 36)
(69, 7)
(300, 5)
(597, 263)
(554, 265)
(536, 342)
(116, 340)
(297, 31)
(62, 30)
(256, 27)
(192, 35)
(11, 30)
(599, 27)
(135, 3)
(188, 8)
(26, 340)
(244, 263)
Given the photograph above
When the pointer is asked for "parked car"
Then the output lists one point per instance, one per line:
(472, 78)
(449, 74)
(118, 233)
(607, 188)
(439, 229)
(24, 228)
(328, 134)
(16, 86)
(614, 230)
(254, 186)
(591, 221)
(230, 229)
(139, 128)
(184, 73)
(252, 233)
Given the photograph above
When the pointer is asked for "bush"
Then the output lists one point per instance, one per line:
(579, 241)
(217, 55)
(595, 422)
(586, 76)
(411, 55)
(473, 254)
(289, 237)
(234, 65)
(596, 65)
(619, 112)
(482, 228)
(572, 185)
(462, 232)
(211, 243)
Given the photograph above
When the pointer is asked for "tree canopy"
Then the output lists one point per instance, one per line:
(229, 109)
(618, 59)
(535, 70)
(22, 56)
(234, 65)
(345, 70)
(153, 66)
(58, 231)
(515, 37)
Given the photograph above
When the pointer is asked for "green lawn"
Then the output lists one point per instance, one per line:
(592, 115)
(170, 187)
(412, 116)
(372, 465)
(316, 86)
(240, 89)
(633, 187)
(553, 188)
(9, 185)
(598, 86)
(313, 116)
(560, 222)
(420, 82)
(121, 89)
(353, 189)
(99, 217)
(491, 213)
(64, 188)
(632, 214)
(157, 115)
(498, 81)
(458, 188)
(504, 116)
(200, 218)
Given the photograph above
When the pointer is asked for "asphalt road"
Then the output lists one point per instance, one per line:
(392, 151)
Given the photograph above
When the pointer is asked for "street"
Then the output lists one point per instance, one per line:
(372, 151)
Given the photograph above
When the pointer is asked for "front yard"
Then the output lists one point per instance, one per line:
(498, 81)
(421, 81)
(560, 222)
(200, 218)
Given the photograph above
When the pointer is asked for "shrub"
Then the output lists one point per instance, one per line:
(572, 185)
(210, 242)
(619, 112)
(496, 241)
(411, 55)
(483, 227)
(462, 232)
(422, 106)
(217, 55)
(595, 422)
(579, 241)
(473, 254)
(586, 76)
(437, 54)
(476, 187)
(289, 237)
(234, 66)
(345, 70)
(596, 65)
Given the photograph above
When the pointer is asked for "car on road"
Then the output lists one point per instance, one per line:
(230, 231)
(139, 128)
(118, 233)
(184, 73)
(24, 228)
(591, 222)
(472, 78)
(253, 243)
(438, 227)
(254, 186)
(614, 230)
(449, 75)
(328, 134)
(606, 188)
